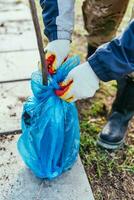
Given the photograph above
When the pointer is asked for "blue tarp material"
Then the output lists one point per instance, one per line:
(50, 138)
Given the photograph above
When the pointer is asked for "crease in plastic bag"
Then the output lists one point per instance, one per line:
(50, 139)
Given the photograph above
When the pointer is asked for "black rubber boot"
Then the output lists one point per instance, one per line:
(113, 134)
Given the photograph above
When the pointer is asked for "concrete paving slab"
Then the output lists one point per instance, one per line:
(18, 183)
(11, 6)
(16, 28)
(18, 65)
(17, 15)
(12, 97)
(13, 42)
(11, 1)
(17, 36)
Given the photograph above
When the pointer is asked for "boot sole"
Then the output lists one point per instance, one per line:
(108, 145)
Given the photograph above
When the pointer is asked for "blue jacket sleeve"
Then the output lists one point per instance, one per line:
(58, 18)
(115, 59)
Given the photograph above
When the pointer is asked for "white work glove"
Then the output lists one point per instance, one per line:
(56, 53)
(80, 83)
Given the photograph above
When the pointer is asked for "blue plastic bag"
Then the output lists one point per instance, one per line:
(49, 143)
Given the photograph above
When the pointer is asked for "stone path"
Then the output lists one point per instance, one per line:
(18, 58)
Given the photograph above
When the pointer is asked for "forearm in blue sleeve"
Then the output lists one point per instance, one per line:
(58, 18)
(115, 59)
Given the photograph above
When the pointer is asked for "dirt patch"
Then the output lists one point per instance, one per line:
(4, 138)
(111, 174)
(22, 99)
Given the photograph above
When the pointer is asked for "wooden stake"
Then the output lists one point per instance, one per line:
(39, 39)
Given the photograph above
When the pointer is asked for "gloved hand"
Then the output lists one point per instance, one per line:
(80, 83)
(56, 53)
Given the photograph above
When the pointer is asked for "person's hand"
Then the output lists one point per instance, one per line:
(81, 83)
(56, 53)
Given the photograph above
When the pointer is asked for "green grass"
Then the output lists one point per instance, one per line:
(101, 164)
(101, 160)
